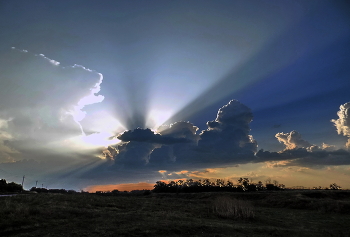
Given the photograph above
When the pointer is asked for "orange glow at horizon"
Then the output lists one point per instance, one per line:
(121, 187)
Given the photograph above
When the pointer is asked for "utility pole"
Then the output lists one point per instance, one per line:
(36, 183)
(23, 180)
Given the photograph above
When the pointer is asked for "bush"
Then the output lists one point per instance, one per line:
(226, 207)
(13, 187)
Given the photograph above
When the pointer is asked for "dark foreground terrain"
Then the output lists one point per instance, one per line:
(284, 213)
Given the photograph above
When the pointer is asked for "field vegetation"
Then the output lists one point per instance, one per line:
(266, 213)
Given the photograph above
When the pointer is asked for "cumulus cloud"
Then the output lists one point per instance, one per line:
(324, 147)
(180, 130)
(299, 152)
(146, 135)
(234, 114)
(292, 140)
(7, 153)
(343, 122)
(139, 145)
(229, 132)
(225, 142)
(42, 103)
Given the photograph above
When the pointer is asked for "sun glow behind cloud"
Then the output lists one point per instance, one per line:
(50, 127)
(192, 58)
(156, 118)
(200, 64)
(104, 131)
(95, 140)
(188, 78)
(77, 113)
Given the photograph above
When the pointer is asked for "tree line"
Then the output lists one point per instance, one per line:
(178, 186)
(45, 190)
(10, 187)
(219, 185)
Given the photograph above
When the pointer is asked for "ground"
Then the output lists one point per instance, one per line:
(280, 213)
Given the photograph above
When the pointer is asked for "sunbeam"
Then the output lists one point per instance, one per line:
(267, 60)
(195, 86)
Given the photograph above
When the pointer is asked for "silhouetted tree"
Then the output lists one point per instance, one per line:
(13, 187)
(160, 187)
(334, 186)
(10, 187)
(3, 185)
(220, 182)
(244, 183)
(252, 188)
(3, 182)
(281, 186)
(272, 187)
(260, 186)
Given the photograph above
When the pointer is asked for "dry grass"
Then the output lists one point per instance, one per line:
(227, 207)
(190, 214)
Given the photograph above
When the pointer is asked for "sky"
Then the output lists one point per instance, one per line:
(103, 95)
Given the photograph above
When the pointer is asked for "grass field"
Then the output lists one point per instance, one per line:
(284, 213)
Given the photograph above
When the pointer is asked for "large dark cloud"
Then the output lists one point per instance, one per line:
(178, 146)
(146, 135)
(229, 133)
(180, 130)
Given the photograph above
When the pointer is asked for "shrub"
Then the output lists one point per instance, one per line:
(225, 207)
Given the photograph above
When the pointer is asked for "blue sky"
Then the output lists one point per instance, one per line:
(141, 64)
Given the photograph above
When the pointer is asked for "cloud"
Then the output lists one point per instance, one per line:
(292, 140)
(324, 147)
(343, 122)
(133, 154)
(180, 130)
(299, 152)
(228, 134)
(29, 80)
(42, 101)
(178, 146)
(146, 135)
(322, 158)
(139, 145)
(43, 107)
